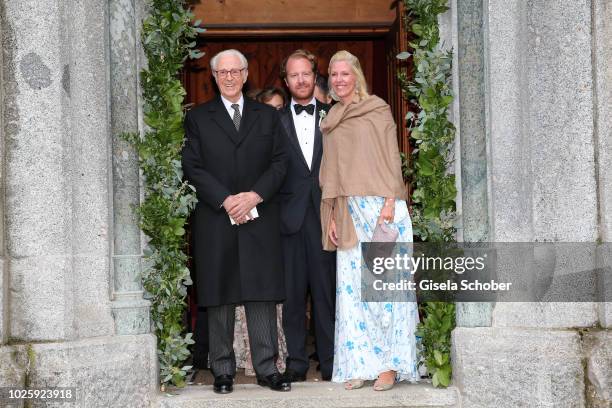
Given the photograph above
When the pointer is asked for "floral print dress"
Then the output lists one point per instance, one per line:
(372, 337)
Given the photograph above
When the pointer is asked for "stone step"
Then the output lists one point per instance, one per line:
(310, 395)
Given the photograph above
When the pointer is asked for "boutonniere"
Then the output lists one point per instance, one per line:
(322, 114)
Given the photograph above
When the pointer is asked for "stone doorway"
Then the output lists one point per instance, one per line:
(373, 32)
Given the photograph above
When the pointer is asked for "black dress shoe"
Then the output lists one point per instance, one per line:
(276, 382)
(223, 384)
(326, 377)
(294, 376)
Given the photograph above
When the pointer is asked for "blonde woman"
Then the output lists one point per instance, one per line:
(362, 185)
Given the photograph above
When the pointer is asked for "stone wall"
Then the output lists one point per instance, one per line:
(71, 307)
(545, 100)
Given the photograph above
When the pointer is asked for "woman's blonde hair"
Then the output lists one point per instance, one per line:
(361, 86)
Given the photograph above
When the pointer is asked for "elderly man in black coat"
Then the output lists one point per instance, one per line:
(235, 157)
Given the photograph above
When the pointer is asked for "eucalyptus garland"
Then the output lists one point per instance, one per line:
(168, 39)
(428, 87)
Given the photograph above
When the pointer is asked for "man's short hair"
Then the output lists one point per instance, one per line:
(301, 53)
(214, 60)
(268, 93)
(322, 84)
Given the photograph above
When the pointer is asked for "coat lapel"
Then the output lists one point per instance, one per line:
(222, 119)
(287, 119)
(318, 142)
(250, 115)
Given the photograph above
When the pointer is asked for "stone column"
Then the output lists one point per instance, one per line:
(12, 371)
(38, 193)
(543, 154)
(56, 172)
(84, 82)
(472, 131)
(598, 345)
(57, 214)
(602, 63)
(131, 312)
(3, 271)
(450, 42)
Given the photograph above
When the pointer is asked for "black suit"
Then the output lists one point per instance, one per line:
(237, 263)
(307, 266)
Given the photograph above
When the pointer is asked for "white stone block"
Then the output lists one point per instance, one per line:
(41, 298)
(12, 367)
(92, 306)
(545, 315)
(503, 367)
(117, 371)
(598, 350)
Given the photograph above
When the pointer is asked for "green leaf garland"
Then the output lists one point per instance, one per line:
(434, 192)
(168, 38)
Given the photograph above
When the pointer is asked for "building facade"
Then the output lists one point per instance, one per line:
(533, 110)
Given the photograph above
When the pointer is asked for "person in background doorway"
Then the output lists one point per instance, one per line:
(275, 97)
(252, 93)
(321, 91)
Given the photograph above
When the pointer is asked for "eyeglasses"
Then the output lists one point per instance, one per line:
(234, 72)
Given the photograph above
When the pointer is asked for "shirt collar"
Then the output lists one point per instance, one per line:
(228, 104)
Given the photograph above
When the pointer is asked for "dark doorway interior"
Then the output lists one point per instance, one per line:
(265, 56)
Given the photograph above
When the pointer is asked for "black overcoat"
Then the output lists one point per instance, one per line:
(235, 263)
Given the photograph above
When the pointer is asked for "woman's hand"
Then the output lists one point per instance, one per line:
(332, 232)
(387, 213)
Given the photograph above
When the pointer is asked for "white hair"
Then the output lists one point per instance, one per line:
(241, 57)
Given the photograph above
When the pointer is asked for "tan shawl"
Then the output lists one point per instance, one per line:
(360, 158)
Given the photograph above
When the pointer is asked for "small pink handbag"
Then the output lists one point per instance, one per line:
(384, 233)
(380, 247)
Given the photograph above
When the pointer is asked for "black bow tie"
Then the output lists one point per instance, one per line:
(300, 108)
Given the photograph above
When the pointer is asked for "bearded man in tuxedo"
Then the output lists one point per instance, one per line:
(307, 266)
(235, 157)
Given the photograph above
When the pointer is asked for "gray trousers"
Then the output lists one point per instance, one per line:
(263, 337)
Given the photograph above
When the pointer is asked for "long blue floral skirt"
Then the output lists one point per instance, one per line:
(372, 337)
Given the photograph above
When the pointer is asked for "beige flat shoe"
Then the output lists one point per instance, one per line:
(384, 384)
(353, 384)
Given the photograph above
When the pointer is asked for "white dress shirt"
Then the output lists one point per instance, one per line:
(228, 105)
(305, 130)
